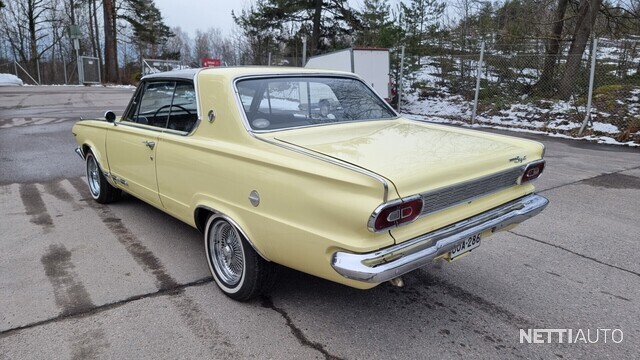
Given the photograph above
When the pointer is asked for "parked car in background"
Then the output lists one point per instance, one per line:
(352, 193)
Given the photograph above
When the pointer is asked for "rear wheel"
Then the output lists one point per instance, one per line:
(238, 270)
(100, 189)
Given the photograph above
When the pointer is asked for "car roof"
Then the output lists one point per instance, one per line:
(188, 74)
(239, 71)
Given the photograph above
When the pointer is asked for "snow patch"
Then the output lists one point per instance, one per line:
(10, 80)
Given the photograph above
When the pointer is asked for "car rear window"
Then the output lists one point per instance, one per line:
(290, 102)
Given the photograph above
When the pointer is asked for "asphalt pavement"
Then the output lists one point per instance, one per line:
(82, 280)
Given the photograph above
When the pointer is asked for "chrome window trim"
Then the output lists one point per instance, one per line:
(245, 120)
(193, 81)
(304, 151)
(334, 161)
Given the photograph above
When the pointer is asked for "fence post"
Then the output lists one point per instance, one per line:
(269, 61)
(27, 73)
(592, 76)
(304, 51)
(38, 68)
(15, 67)
(79, 66)
(99, 72)
(64, 67)
(478, 76)
(400, 80)
(81, 70)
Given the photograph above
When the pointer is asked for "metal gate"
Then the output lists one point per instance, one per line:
(152, 66)
(89, 70)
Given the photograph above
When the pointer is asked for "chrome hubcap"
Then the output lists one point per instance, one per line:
(93, 177)
(226, 252)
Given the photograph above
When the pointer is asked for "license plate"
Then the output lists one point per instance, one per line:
(464, 247)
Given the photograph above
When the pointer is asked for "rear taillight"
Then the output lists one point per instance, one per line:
(395, 213)
(532, 171)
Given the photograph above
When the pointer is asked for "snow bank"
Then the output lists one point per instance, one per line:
(10, 80)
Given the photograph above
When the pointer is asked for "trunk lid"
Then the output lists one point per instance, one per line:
(415, 156)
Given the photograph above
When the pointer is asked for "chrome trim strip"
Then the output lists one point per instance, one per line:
(219, 214)
(245, 120)
(198, 104)
(165, 130)
(119, 180)
(80, 152)
(396, 260)
(304, 151)
(426, 211)
(331, 160)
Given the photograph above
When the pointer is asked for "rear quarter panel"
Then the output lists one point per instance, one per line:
(91, 135)
(308, 207)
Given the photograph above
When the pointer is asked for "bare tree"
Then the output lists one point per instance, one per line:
(553, 48)
(26, 25)
(201, 47)
(110, 42)
(586, 18)
(181, 42)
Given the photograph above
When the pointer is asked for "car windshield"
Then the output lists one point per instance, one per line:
(289, 102)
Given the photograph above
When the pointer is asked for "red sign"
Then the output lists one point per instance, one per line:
(207, 62)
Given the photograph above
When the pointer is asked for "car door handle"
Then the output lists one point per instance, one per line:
(150, 144)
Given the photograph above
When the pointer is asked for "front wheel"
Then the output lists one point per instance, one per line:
(236, 267)
(100, 189)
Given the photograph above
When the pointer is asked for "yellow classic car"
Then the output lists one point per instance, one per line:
(308, 169)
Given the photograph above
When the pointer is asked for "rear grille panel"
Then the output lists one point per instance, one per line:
(440, 199)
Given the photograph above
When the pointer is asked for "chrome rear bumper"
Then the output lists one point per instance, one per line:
(396, 260)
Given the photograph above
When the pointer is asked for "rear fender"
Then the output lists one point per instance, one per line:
(206, 205)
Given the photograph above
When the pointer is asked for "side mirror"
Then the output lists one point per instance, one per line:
(110, 116)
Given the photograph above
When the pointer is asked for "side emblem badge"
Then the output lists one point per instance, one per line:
(518, 159)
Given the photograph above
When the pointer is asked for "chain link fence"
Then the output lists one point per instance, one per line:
(524, 87)
(90, 70)
(152, 66)
(42, 72)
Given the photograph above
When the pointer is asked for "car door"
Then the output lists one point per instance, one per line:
(133, 142)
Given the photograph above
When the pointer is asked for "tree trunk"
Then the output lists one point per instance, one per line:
(110, 43)
(33, 42)
(587, 13)
(549, 70)
(92, 35)
(72, 12)
(315, 35)
(98, 52)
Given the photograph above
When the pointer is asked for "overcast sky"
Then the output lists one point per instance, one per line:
(192, 15)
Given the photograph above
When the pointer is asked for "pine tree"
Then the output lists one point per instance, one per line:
(378, 28)
(149, 30)
(327, 21)
(421, 19)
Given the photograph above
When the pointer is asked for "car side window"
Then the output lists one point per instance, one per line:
(183, 111)
(152, 105)
(155, 104)
(165, 104)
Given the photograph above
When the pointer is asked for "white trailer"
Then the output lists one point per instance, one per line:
(371, 64)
